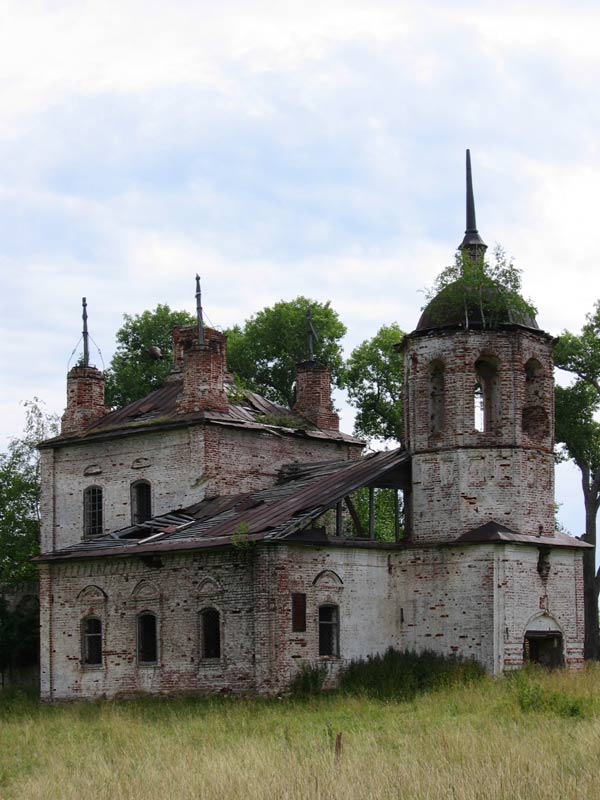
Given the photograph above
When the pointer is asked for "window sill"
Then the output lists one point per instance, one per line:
(148, 664)
(91, 667)
(211, 663)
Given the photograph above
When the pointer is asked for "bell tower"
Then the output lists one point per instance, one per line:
(479, 413)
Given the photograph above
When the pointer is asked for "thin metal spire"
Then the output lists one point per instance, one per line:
(472, 240)
(199, 311)
(86, 348)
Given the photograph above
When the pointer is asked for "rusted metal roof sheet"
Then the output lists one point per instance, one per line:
(271, 514)
(495, 532)
(158, 410)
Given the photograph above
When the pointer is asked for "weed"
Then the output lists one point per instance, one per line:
(240, 540)
(309, 680)
(401, 675)
(532, 696)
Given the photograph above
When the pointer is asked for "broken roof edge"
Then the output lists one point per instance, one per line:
(218, 543)
(473, 328)
(95, 434)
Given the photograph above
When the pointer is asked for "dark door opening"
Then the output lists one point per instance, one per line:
(544, 648)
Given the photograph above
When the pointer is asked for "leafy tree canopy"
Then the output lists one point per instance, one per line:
(132, 373)
(475, 288)
(577, 405)
(581, 354)
(374, 384)
(264, 352)
(578, 430)
(20, 494)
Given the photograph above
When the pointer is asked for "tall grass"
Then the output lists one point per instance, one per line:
(488, 739)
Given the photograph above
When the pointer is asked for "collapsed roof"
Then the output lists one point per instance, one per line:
(287, 511)
(305, 493)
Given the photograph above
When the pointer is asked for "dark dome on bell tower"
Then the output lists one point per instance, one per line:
(493, 307)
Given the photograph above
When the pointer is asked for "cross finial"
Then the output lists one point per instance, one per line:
(86, 348)
(311, 336)
(199, 311)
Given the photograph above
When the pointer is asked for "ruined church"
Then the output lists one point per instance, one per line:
(197, 541)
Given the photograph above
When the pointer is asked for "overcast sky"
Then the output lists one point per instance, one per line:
(283, 148)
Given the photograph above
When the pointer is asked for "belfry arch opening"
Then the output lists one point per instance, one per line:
(486, 395)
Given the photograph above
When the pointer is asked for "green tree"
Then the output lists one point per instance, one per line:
(20, 494)
(19, 633)
(384, 508)
(133, 373)
(578, 431)
(374, 383)
(19, 536)
(264, 352)
(475, 287)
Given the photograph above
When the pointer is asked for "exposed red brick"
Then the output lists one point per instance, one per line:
(313, 396)
(203, 368)
(85, 399)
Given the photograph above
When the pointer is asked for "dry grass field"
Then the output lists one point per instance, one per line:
(535, 736)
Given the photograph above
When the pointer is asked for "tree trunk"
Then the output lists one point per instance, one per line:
(590, 595)
(590, 583)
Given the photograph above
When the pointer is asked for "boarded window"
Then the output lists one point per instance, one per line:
(92, 511)
(298, 612)
(91, 644)
(211, 633)
(534, 387)
(534, 420)
(141, 502)
(329, 631)
(147, 650)
(436, 397)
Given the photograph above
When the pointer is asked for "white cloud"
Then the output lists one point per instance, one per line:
(283, 148)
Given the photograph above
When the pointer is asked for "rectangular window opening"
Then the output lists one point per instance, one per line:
(329, 631)
(147, 642)
(298, 612)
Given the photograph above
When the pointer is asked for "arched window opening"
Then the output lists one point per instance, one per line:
(92, 511)
(478, 414)
(147, 650)
(211, 633)
(436, 397)
(329, 631)
(91, 641)
(486, 395)
(141, 502)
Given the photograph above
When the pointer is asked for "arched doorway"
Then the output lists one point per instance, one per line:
(543, 643)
